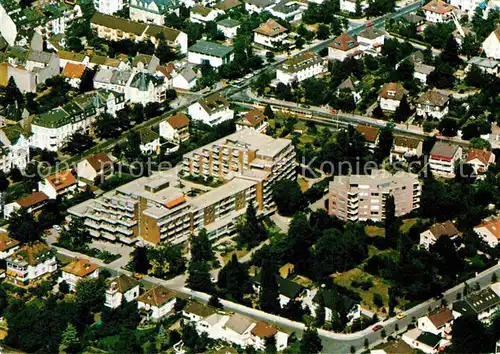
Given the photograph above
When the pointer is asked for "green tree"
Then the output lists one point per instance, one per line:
(448, 127)
(140, 262)
(215, 302)
(270, 56)
(288, 197)
(199, 277)
(469, 335)
(252, 231)
(201, 248)
(89, 298)
(23, 226)
(76, 237)
(479, 143)
(234, 279)
(377, 112)
(377, 300)
(449, 53)
(403, 111)
(270, 344)
(70, 343)
(320, 312)
(4, 301)
(384, 145)
(78, 143)
(358, 9)
(106, 126)
(310, 342)
(4, 184)
(269, 289)
(470, 46)
(323, 32)
(268, 112)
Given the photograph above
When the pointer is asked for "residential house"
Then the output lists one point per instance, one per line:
(438, 322)
(486, 65)
(301, 67)
(361, 197)
(425, 342)
(32, 203)
(331, 300)
(145, 62)
(77, 270)
(421, 70)
(93, 166)
(108, 7)
(482, 304)
(288, 10)
(73, 73)
(288, 290)
(202, 14)
(371, 38)
(415, 20)
(254, 119)
(186, 79)
(150, 141)
(175, 128)
(59, 184)
(29, 263)
(371, 135)
(238, 329)
(443, 157)
(466, 6)
(7, 246)
(120, 63)
(121, 289)
(115, 28)
(227, 5)
(436, 231)
(392, 347)
(350, 6)
(433, 104)
(270, 34)
(437, 11)
(343, 47)
(66, 57)
(152, 11)
(211, 110)
(260, 334)
(156, 303)
(210, 52)
(480, 160)
(405, 148)
(390, 96)
(196, 312)
(353, 86)
(489, 231)
(14, 148)
(229, 27)
(491, 45)
(258, 6)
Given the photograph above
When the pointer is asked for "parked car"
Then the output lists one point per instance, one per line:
(401, 315)
(377, 328)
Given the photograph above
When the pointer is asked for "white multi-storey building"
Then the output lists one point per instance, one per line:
(437, 11)
(152, 11)
(120, 289)
(443, 158)
(433, 104)
(108, 7)
(157, 302)
(30, 263)
(14, 152)
(301, 67)
(350, 6)
(390, 96)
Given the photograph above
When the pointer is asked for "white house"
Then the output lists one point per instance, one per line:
(210, 52)
(196, 312)
(33, 202)
(371, 135)
(480, 160)
(258, 6)
(120, 288)
(443, 157)
(371, 38)
(486, 65)
(491, 45)
(405, 148)
(156, 303)
(253, 119)
(73, 74)
(29, 263)
(175, 128)
(436, 231)
(15, 148)
(433, 104)
(229, 27)
(438, 322)
(202, 14)
(438, 11)
(59, 184)
(186, 79)
(262, 331)
(352, 85)
(288, 10)
(95, 165)
(211, 110)
(330, 300)
(482, 304)
(422, 71)
(301, 67)
(270, 34)
(150, 141)
(390, 96)
(152, 11)
(350, 6)
(426, 342)
(108, 7)
(288, 289)
(78, 270)
(7, 246)
(343, 47)
(489, 231)
(466, 6)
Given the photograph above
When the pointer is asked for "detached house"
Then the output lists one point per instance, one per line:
(343, 47)
(73, 73)
(437, 11)
(489, 231)
(202, 14)
(7, 246)
(175, 128)
(185, 80)
(433, 104)
(480, 160)
(211, 110)
(486, 65)
(405, 148)
(371, 135)
(58, 184)
(262, 331)
(438, 322)
(352, 85)
(481, 304)
(443, 158)
(196, 312)
(491, 45)
(436, 231)
(152, 11)
(330, 300)
(255, 120)
(350, 6)
(98, 165)
(77, 270)
(210, 52)
(30, 263)
(120, 289)
(33, 202)
(156, 303)
(229, 27)
(390, 96)
(270, 34)
(301, 67)
(258, 6)
(288, 289)
(425, 342)
(371, 38)
(421, 70)
(150, 141)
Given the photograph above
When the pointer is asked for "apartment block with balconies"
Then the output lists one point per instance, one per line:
(363, 197)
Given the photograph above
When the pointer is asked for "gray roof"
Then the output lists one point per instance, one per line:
(477, 302)
(239, 323)
(423, 68)
(188, 74)
(40, 57)
(286, 7)
(211, 48)
(371, 33)
(429, 339)
(444, 149)
(260, 3)
(483, 62)
(230, 23)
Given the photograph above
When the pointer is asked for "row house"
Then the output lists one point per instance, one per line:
(301, 67)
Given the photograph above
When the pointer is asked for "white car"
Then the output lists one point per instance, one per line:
(57, 228)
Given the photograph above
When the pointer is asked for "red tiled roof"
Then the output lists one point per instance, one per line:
(437, 6)
(32, 199)
(254, 117)
(493, 227)
(392, 91)
(61, 180)
(344, 42)
(482, 155)
(99, 161)
(270, 28)
(7, 243)
(264, 330)
(441, 317)
(73, 71)
(370, 133)
(180, 120)
(80, 268)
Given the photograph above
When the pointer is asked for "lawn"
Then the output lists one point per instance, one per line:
(374, 231)
(407, 224)
(303, 184)
(305, 282)
(380, 286)
(226, 257)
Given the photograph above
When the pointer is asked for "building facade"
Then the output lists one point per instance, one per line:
(443, 158)
(210, 52)
(211, 110)
(30, 263)
(108, 7)
(301, 67)
(270, 34)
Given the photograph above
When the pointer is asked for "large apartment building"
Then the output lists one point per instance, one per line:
(362, 197)
(166, 208)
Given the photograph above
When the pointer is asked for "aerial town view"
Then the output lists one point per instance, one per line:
(250, 176)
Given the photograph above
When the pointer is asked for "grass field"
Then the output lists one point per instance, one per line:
(226, 257)
(303, 184)
(374, 231)
(407, 224)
